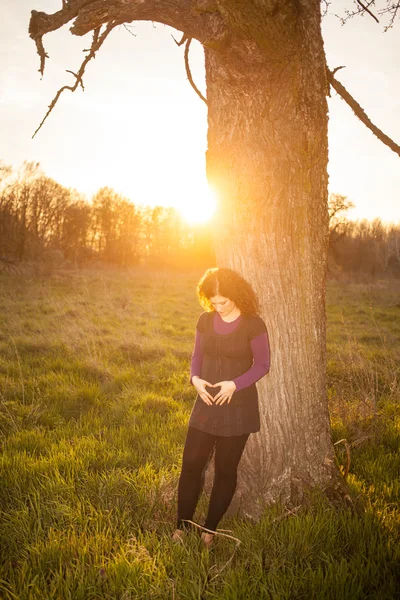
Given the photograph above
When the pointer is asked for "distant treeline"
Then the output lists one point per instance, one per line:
(364, 247)
(40, 220)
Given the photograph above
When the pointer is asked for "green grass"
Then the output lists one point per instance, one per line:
(94, 406)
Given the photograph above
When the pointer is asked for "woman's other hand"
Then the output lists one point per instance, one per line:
(200, 385)
(225, 393)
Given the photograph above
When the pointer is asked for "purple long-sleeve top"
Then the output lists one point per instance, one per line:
(259, 346)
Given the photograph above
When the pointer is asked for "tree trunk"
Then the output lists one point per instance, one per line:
(267, 158)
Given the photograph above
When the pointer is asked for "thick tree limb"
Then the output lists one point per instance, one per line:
(89, 15)
(360, 113)
(190, 16)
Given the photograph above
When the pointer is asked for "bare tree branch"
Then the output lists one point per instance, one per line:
(191, 16)
(183, 39)
(187, 41)
(390, 10)
(188, 72)
(325, 7)
(129, 31)
(184, 15)
(42, 53)
(97, 42)
(42, 23)
(366, 9)
(77, 77)
(336, 69)
(360, 113)
(88, 15)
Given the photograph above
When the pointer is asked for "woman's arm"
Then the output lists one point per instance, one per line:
(261, 362)
(197, 357)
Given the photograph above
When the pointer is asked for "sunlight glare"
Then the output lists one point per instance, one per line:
(199, 206)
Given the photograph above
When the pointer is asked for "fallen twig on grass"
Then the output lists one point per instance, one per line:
(288, 513)
(217, 532)
(221, 533)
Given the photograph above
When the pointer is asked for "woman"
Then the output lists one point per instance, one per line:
(231, 353)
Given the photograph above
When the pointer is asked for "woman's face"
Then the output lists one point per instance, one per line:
(223, 306)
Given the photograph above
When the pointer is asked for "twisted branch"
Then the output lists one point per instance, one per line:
(187, 40)
(189, 73)
(97, 42)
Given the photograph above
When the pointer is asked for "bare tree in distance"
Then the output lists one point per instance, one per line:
(267, 81)
(338, 206)
(339, 225)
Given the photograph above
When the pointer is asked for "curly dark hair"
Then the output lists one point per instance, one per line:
(228, 283)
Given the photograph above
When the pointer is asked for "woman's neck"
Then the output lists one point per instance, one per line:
(235, 314)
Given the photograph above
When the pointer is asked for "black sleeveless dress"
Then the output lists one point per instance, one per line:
(224, 358)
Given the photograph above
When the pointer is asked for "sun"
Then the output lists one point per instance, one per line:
(198, 206)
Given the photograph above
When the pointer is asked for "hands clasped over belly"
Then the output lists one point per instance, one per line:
(214, 396)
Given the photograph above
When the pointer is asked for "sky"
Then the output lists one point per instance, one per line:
(140, 128)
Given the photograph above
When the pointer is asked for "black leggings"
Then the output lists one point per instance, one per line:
(198, 448)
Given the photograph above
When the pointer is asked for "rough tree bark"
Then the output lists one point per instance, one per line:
(267, 158)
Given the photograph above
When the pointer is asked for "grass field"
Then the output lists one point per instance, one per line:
(94, 407)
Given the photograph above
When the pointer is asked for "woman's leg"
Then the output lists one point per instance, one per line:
(228, 452)
(198, 447)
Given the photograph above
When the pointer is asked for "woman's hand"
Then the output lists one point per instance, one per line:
(200, 385)
(225, 393)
